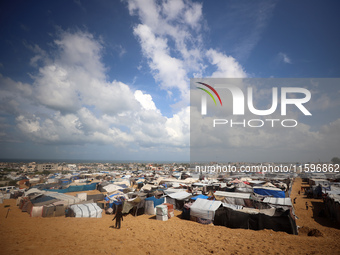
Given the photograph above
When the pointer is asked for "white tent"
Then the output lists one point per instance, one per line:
(203, 208)
(91, 210)
(64, 199)
(278, 201)
(233, 194)
(179, 195)
(112, 187)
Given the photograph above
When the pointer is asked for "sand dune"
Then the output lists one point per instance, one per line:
(21, 234)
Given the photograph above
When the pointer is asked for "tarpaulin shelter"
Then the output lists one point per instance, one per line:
(90, 210)
(112, 187)
(134, 203)
(76, 188)
(278, 201)
(203, 208)
(199, 196)
(177, 199)
(151, 203)
(234, 198)
(281, 221)
(266, 191)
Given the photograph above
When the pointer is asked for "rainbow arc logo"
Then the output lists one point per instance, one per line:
(209, 93)
(204, 98)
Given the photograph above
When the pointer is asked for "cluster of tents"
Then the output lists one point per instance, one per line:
(264, 208)
(39, 203)
(248, 204)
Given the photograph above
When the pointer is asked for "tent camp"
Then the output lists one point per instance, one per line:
(203, 208)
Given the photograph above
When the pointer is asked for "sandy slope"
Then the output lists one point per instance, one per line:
(144, 235)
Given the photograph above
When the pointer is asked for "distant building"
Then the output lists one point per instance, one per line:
(47, 167)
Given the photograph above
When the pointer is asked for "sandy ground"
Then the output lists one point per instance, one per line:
(21, 234)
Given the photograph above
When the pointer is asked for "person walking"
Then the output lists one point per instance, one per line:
(118, 217)
(306, 205)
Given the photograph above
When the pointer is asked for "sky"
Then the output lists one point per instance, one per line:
(110, 80)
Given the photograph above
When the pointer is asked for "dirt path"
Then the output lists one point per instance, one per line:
(21, 234)
(309, 218)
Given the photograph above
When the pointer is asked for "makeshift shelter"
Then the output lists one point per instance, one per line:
(278, 201)
(177, 199)
(112, 188)
(267, 191)
(234, 198)
(76, 188)
(133, 204)
(332, 207)
(280, 221)
(203, 208)
(151, 203)
(90, 210)
(199, 196)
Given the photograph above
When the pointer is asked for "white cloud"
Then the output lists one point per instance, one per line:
(227, 66)
(145, 100)
(169, 71)
(71, 102)
(284, 58)
(168, 23)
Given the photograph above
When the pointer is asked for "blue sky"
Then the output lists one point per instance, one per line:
(109, 80)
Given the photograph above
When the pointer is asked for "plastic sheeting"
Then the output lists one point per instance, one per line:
(237, 219)
(156, 201)
(37, 211)
(82, 196)
(77, 188)
(199, 196)
(149, 208)
(205, 209)
(180, 195)
(278, 201)
(112, 187)
(91, 210)
(273, 192)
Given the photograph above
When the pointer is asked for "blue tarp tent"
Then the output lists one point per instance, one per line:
(155, 200)
(199, 196)
(270, 192)
(77, 188)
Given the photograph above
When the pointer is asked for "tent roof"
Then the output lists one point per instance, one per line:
(180, 195)
(278, 201)
(233, 194)
(171, 190)
(256, 182)
(111, 187)
(199, 196)
(267, 188)
(43, 200)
